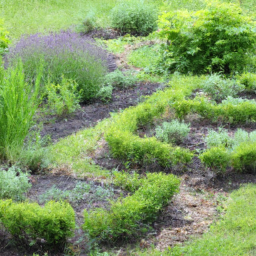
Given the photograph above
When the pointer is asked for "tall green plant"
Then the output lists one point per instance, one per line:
(18, 104)
(217, 39)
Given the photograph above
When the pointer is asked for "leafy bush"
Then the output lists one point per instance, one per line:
(134, 17)
(63, 98)
(174, 131)
(239, 113)
(4, 40)
(13, 184)
(233, 101)
(217, 39)
(87, 26)
(124, 145)
(244, 157)
(249, 80)
(220, 138)
(219, 89)
(105, 93)
(216, 158)
(18, 104)
(119, 80)
(125, 215)
(130, 182)
(27, 222)
(64, 54)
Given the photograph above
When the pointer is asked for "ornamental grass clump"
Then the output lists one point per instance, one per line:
(63, 54)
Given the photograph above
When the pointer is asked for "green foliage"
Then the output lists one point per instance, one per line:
(227, 112)
(105, 93)
(123, 217)
(63, 98)
(174, 131)
(4, 40)
(145, 57)
(130, 182)
(244, 157)
(217, 39)
(18, 104)
(219, 89)
(27, 222)
(13, 184)
(88, 25)
(249, 80)
(118, 80)
(220, 138)
(134, 17)
(216, 158)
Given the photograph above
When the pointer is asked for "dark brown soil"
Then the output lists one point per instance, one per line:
(92, 113)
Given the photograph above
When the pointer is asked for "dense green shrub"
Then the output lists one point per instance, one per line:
(124, 145)
(18, 104)
(63, 98)
(174, 131)
(218, 88)
(119, 80)
(130, 182)
(244, 157)
(217, 39)
(216, 158)
(4, 41)
(13, 184)
(134, 17)
(228, 112)
(249, 80)
(27, 222)
(124, 216)
(238, 151)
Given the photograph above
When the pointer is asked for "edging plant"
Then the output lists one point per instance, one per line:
(27, 222)
(124, 216)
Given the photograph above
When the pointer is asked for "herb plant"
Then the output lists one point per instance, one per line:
(173, 132)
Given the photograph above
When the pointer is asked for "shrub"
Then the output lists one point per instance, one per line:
(134, 17)
(249, 80)
(219, 89)
(244, 157)
(239, 113)
(217, 39)
(174, 131)
(27, 222)
(119, 80)
(220, 138)
(124, 216)
(18, 104)
(63, 98)
(4, 41)
(105, 93)
(233, 101)
(216, 158)
(130, 182)
(64, 54)
(13, 184)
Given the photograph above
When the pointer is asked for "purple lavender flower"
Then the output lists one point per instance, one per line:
(65, 53)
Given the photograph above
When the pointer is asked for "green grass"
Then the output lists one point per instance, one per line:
(31, 16)
(234, 234)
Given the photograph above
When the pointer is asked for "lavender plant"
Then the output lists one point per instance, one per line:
(65, 53)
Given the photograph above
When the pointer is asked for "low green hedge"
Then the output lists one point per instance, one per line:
(27, 222)
(125, 144)
(242, 158)
(233, 113)
(124, 216)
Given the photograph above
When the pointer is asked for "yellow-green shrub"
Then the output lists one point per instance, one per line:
(26, 222)
(124, 216)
